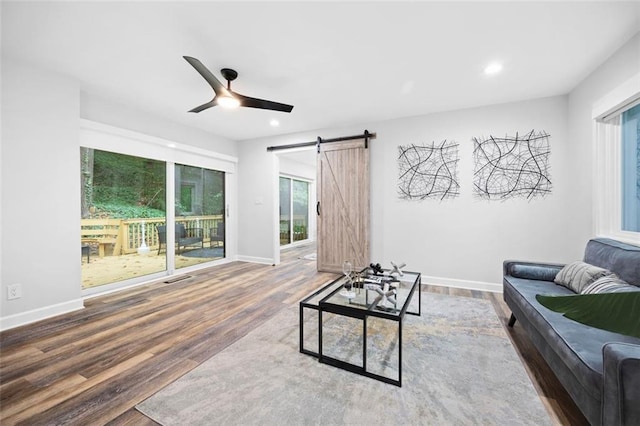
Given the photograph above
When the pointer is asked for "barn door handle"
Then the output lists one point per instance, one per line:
(318, 208)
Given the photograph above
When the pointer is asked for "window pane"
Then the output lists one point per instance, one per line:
(200, 227)
(285, 211)
(186, 198)
(122, 202)
(300, 210)
(294, 210)
(631, 169)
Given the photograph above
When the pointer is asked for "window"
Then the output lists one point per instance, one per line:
(150, 207)
(199, 215)
(617, 163)
(124, 218)
(122, 203)
(300, 208)
(294, 210)
(285, 211)
(631, 169)
(186, 198)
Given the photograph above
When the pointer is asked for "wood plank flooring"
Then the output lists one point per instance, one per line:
(93, 366)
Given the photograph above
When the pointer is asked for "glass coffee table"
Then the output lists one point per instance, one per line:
(360, 331)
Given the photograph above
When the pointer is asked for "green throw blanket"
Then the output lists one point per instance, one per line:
(617, 312)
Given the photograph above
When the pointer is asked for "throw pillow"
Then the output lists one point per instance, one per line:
(577, 275)
(609, 284)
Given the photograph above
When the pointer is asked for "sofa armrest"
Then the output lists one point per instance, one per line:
(621, 384)
(531, 270)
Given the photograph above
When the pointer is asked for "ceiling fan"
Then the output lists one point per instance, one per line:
(226, 97)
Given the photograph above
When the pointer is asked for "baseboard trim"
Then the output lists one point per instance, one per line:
(24, 318)
(253, 259)
(468, 285)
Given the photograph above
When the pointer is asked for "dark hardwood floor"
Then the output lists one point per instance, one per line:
(93, 366)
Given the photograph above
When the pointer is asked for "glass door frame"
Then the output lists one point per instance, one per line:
(206, 232)
(309, 183)
(113, 139)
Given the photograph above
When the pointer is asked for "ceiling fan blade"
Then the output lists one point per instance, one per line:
(202, 107)
(246, 101)
(211, 79)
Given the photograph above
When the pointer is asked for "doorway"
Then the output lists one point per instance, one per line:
(294, 210)
(296, 198)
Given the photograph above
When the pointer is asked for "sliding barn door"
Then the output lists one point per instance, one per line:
(343, 205)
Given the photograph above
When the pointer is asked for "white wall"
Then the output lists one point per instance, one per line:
(40, 222)
(106, 111)
(621, 66)
(459, 242)
(257, 186)
(463, 241)
(40, 193)
(296, 169)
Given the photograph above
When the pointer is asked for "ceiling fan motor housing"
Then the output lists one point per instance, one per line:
(229, 74)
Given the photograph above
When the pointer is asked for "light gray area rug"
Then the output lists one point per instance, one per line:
(458, 368)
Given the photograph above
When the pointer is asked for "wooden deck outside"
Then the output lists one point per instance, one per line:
(115, 237)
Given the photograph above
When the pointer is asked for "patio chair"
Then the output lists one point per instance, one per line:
(184, 237)
(86, 251)
(216, 235)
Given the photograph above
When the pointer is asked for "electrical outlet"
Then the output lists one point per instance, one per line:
(14, 291)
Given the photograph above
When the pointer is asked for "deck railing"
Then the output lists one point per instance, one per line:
(300, 229)
(125, 236)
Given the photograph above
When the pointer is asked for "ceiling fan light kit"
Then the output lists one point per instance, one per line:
(226, 97)
(228, 101)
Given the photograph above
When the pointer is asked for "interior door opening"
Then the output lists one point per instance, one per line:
(294, 211)
(296, 220)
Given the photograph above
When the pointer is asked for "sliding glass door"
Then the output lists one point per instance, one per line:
(294, 210)
(123, 200)
(285, 211)
(124, 220)
(199, 215)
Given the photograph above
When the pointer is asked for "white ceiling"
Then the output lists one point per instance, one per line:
(338, 63)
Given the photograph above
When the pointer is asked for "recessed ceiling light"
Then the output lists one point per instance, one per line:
(274, 123)
(172, 145)
(493, 68)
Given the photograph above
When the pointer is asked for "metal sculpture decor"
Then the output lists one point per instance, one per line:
(428, 171)
(512, 167)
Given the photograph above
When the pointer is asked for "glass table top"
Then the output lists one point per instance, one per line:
(384, 294)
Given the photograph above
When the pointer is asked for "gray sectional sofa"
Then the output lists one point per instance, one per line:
(599, 369)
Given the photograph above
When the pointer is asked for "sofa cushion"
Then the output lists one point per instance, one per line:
(609, 284)
(616, 256)
(578, 275)
(578, 345)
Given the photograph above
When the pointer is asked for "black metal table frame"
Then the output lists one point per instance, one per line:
(361, 314)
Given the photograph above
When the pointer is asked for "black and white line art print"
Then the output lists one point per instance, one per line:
(428, 171)
(512, 167)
